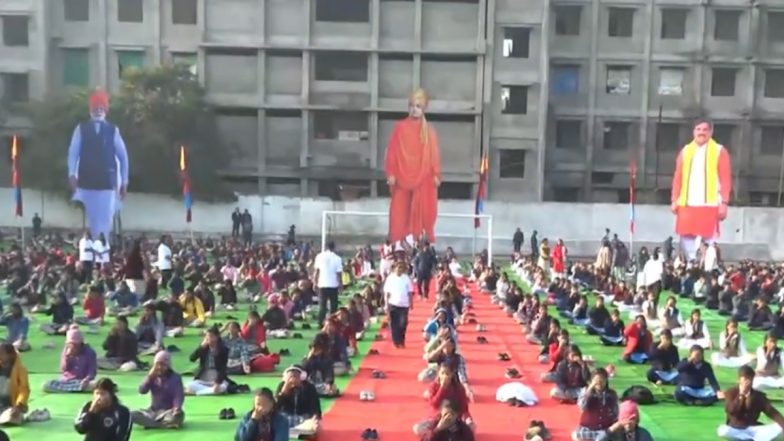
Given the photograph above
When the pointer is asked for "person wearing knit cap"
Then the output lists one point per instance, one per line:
(98, 166)
(78, 365)
(628, 425)
(167, 396)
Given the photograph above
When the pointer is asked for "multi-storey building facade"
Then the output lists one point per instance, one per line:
(562, 94)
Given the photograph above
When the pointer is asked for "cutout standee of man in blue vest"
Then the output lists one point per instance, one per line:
(98, 167)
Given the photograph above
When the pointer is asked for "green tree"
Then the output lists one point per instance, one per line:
(157, 110)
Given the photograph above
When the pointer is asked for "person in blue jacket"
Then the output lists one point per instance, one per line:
(263, 423)
(98, 166)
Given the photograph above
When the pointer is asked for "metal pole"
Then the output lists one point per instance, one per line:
(490, 240)
(473, 245)
(323, 230)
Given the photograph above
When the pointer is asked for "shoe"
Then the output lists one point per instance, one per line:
(231, 317)
(172, 348)
(373, 435)
(284, 352)
(363, 395)
(230, 415)
(503, 356)
(306, 326)
(370, 396)
(384, 325)
(379, 374)
(296, 335)
(512, 373)
(366, 434)
(373, 352)
(223, 414)
(378, 337)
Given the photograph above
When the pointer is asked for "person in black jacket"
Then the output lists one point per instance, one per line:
(663, 358)
(597, 317)
(104, 418)
(298, 400)
(211, 378)
(613, 330)
(693, 373)
(424, 263)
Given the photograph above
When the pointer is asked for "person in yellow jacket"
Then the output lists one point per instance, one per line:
(15, 390)
(192, 309)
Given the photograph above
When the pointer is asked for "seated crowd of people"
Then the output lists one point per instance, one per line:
(595, 300)
(147, 303)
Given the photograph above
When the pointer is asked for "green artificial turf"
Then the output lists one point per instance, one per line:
(668, 420)
(201, 413)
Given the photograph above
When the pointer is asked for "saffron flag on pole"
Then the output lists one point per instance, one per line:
(186, 184)
(632, 184)
(481, 191)
(16, 178)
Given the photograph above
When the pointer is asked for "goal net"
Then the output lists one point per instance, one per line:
(353, 229)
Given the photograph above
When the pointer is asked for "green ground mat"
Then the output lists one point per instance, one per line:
(669, 420)
(201, 413)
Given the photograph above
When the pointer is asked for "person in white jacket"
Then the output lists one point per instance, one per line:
(770, 361)
(695, 332)
(652, 271)
(732, 351)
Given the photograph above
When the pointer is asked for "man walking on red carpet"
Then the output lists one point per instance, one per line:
(399, 294)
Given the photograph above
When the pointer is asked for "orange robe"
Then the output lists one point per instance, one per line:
(414, 197)
(701, 220)
(558, 255)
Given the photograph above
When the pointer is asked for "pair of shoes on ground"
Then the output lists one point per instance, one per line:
(379, 374)
(370, 434)
(367, 395)
(481, 328)
(38, 416)
(227, 414)
(512, 373)
(537, 431)
(284, 352)
(503, 356)
(481, 339)
(373, 352)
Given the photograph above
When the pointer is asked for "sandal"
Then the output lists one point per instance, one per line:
(379, 374)
(512, 373)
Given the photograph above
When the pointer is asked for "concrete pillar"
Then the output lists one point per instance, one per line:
(375, 29)
(544, 98)
(648, 33)
(592, 91)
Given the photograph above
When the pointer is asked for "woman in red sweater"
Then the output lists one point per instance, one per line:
(446, 388)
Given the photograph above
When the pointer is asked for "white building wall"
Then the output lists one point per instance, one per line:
(748, 231)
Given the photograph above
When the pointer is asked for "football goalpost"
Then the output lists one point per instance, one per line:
(452, 229)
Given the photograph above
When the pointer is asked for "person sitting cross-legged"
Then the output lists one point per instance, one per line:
(121, 348)
(298, 401)
(149, 331)
(446, 388)
(213, 356)
(192, 309)
(123, 301)
(263, 422)
(62, 315)
(612, 332)
(571, 377)
(628, 425)
(78, 365)
(638, 341)
(732, 348)
(16, 387)
(18, 325)
(172, 316)
(449, 426)
(167, 396)
(94, 308)
(599, 409)
(664, 358)
(320, 366)
(770, 361)
(743, 407)
(693, 373)
(104, 418)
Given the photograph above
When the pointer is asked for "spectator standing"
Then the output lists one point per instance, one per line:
(329, 271)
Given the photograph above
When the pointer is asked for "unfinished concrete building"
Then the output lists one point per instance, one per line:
(561, 93)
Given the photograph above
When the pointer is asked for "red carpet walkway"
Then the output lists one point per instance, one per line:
(494, 418)
(399, 398)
